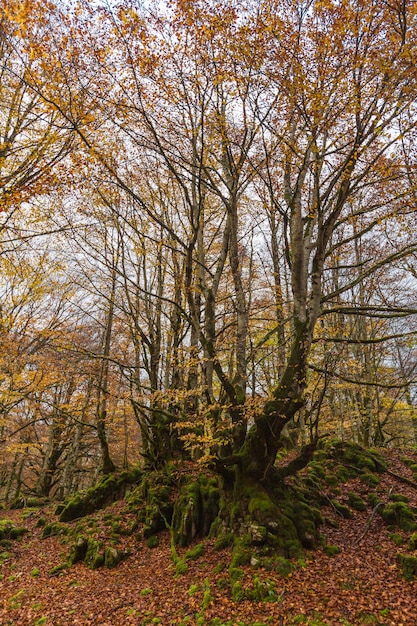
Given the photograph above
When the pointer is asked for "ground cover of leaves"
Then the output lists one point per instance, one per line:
(361, 584)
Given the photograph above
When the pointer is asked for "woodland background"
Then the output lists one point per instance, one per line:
(183, 188)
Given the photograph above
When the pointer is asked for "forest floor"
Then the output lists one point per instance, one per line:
(361, 584)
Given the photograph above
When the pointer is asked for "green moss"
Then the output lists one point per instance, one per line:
(112, 557)
(408, 565)
(356, 502)
(374, 499)
(40, 522)
(399, 514)
(152, 541)
(397, 539)
(344, 473)
(342, 509)
(55, 571)
(224, 541)
(331, 550)
(53, 529)
(399, 497)
(412, 542)
(283, 566)
(94, 556)
(181, 567)
(8, 530)
(195, 553)
(370, 480)
(317, 470)
(263, 590)
(109, 489)
(238, 592)
(78, 550)
(242, 553)
(331, 480)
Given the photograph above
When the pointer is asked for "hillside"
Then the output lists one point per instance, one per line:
(354, 578)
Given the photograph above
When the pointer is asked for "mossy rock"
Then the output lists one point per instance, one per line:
(356, 502)
(331, 480)
(408, 566)
(399, 514)
(317, 470)
(330, 550)
(356, 456)
(342, 509)
(368, 479)
(224, 541)
(152, 541)
(345, 474)
(94, 556)
(54, 529)
(112, 557)
(78, 550)
(374, 499)
(109, 489)
(399, 497)
(8, 530)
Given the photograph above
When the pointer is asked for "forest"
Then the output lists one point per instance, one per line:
(208, 252)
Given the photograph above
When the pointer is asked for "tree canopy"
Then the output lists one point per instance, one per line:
(222, 198)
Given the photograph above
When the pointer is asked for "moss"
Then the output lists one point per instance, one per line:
(55, 571)
(53, 529)
(331, 522)
(238, 592)
(374, 499)
(187, 514)
(356, 502)
(412, 542)
(408, 565)
(181, 567)
(8, 530)
(236, 573)
(344, 473)
(263, 590)
(355, 456)
(152, 541)
(317, 470)
(282, 566)
(224, 541)
(331, 480)
(399, 514)
(112, 557)
(242, 553)
(94, 556)
(399, 497)
(195, 553)
(342, 509)
(78, 550)
(40, 522)
(397, 539)
(370, 480)
(331, 550)
(109, 489)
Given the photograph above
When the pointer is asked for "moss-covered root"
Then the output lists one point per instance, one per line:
(280, 523)
(195, 510)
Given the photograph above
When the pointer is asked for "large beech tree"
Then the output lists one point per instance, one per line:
(219, 122)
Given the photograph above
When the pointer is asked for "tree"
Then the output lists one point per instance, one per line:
(302, 127)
